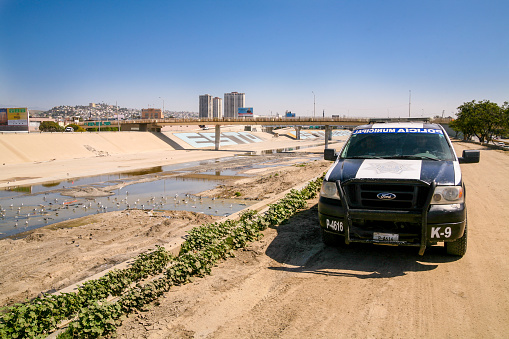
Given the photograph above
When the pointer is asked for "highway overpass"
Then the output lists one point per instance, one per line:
(155, 125)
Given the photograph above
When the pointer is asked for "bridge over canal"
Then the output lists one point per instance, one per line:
(155, 125)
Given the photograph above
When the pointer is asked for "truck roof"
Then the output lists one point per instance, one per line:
(400, 125)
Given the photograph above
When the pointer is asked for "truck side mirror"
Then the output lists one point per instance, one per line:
(330, 154)
(469, 156)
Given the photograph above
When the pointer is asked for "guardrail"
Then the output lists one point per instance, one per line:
(243, 121)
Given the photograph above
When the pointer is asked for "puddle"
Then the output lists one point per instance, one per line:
(208, 177)
(65, 184)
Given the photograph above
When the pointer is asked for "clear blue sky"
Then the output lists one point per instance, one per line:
(360, 58)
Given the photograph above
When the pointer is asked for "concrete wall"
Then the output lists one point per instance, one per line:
(33, 147)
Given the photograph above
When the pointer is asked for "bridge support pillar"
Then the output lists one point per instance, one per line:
(217, 137)
(328, 135)
(297, 132)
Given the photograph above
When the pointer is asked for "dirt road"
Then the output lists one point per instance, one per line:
(289, 285)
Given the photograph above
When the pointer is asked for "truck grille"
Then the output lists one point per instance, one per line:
(364, 195)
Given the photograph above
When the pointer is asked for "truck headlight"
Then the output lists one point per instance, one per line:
(447, 195)
(329, 190)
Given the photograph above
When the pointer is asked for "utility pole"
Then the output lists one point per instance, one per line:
(116, 111)
(314, 104)
(409, 101)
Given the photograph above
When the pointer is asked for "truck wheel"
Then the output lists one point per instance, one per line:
(330, 239)
(457, 247)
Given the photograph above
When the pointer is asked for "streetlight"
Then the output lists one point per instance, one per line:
(314, 104)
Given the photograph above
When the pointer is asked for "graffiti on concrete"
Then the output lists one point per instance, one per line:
(200, 140)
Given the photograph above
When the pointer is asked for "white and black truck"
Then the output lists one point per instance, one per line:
(396, 184)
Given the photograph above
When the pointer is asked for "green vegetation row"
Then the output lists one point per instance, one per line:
(151, 275)
(51, 126)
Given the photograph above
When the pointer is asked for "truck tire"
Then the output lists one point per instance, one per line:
(330, 239)
(457, 247)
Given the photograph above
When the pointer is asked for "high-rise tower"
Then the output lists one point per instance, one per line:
(232, 102)
(217, 107)
(205, 106)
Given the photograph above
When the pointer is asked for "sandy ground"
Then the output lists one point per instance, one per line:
(57, 256)
(289, 285)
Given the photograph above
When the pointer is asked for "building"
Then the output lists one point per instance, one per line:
(151, 113)
(36, 122)
(205, 110)
(232, 102)
(217, 107)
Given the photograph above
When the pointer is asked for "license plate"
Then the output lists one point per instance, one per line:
(385, 236)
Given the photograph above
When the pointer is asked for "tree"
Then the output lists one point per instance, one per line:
(50, 126)
(483, 119)
(505, 119)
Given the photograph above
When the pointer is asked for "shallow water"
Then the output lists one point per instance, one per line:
(27, 208)
(24, 208)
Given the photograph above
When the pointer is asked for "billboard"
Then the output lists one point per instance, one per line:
(289, 115)
(245, 112)
(3, 116)
(14, 119)
(97, 123)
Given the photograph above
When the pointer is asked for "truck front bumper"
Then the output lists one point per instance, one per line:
(435, 223)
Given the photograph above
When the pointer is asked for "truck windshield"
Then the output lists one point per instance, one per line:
(398, 146)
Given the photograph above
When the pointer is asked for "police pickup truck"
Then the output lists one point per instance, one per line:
(396, 184)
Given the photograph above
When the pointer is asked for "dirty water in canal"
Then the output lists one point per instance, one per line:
(163, 188)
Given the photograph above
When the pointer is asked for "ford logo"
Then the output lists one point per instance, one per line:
(386, 196)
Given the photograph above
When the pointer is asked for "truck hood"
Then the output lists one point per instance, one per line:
(443, 172)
